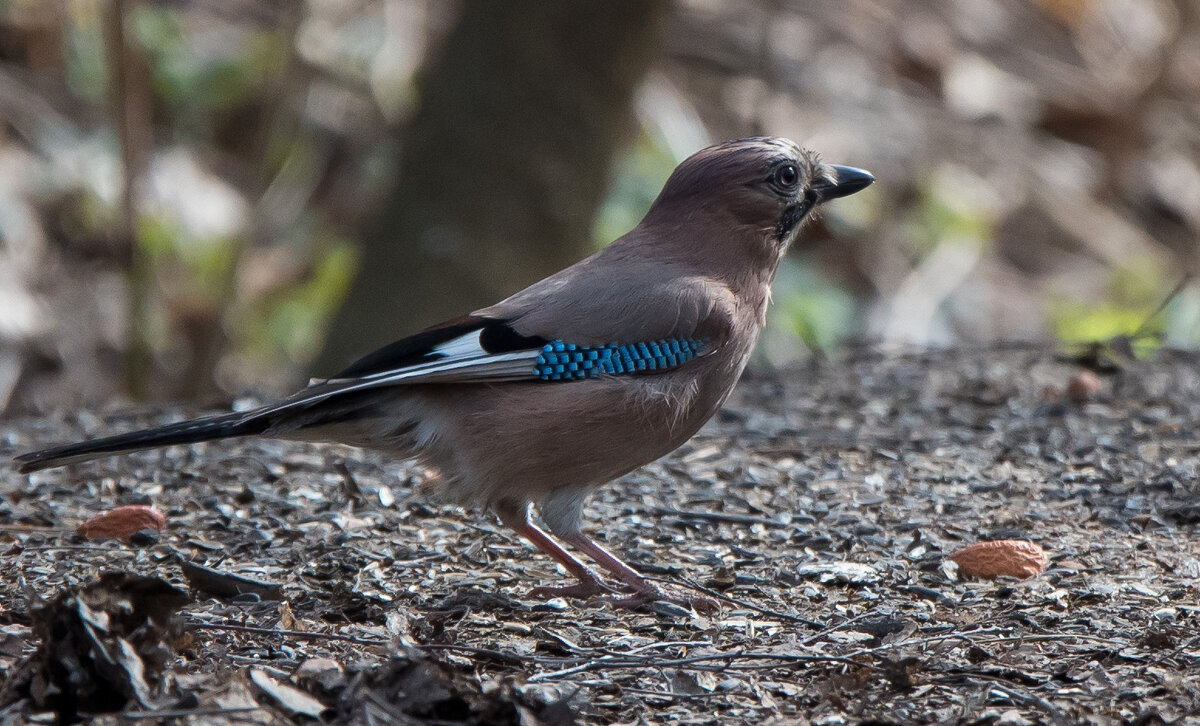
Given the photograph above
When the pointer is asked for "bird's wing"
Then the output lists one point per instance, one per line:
(470, 346)
(476, 349)
(622, 295)
(612, 314)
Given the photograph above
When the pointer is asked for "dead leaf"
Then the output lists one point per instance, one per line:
(290, 698)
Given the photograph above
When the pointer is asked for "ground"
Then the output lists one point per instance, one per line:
(819, 506)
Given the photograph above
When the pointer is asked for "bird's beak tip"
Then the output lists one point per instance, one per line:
(849, 181)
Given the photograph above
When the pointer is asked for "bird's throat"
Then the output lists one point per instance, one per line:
(793, 214)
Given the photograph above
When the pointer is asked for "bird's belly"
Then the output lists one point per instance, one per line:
(523, 441)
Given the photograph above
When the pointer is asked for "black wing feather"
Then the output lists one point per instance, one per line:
(496, 336)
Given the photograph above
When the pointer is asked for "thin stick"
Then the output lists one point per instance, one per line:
(834, 628)
(614, 662)
(1028, 698)
(302, 634)
(306, 635)
(1183, 281)
(184, 713)
(692, 584)
(718, 516)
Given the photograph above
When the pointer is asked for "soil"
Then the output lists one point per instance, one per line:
(819, 506)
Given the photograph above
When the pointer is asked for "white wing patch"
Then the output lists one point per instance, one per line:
(462, 346)
(463, 360)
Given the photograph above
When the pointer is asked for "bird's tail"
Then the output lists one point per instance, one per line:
(185, 432)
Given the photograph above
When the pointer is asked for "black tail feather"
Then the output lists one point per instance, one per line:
(185, 432)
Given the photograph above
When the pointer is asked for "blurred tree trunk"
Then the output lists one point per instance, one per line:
(130, 97)
(503, 164)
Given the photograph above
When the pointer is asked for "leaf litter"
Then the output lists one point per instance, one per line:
(819, 506)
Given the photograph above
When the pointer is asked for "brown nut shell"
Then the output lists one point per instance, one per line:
(1010, 557)
(122, 522)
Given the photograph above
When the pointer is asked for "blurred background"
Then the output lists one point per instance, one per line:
(204, 197)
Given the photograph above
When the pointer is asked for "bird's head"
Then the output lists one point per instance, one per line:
(756, 191)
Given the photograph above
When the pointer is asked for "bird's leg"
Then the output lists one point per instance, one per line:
(562, 511)
(644, 591)
(589, 585)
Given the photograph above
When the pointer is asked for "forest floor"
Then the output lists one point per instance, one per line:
(819, 506)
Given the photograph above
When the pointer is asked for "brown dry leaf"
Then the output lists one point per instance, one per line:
(102, 647)
(287, 619)
(123, 522)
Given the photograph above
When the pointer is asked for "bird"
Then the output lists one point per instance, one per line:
(575, 381)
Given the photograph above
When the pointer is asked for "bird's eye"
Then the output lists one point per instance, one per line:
(786, 176)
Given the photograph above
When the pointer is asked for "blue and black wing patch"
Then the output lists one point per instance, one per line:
(485, 350)
(561, 361)
(471, 348)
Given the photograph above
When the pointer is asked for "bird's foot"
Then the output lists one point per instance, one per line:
(649, 593)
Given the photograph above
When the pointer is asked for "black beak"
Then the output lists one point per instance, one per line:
(848, 180)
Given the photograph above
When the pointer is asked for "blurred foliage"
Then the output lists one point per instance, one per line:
(952, 207)
(1131, 309)
(291, 319)
(638, 176)
(195, 81)
(1038, 169)
(806, 305)
(204, 76)
(86, 72)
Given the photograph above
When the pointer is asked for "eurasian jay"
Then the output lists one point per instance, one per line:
(579, 378)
